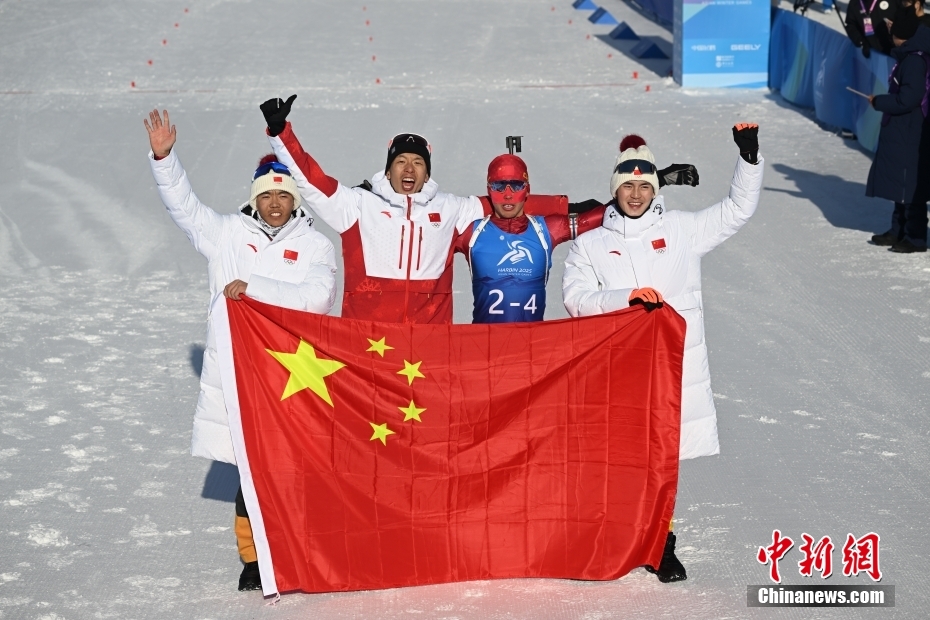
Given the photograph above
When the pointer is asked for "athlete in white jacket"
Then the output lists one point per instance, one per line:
(268, 250)
(646, 254)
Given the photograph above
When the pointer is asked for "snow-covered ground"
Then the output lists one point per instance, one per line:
(819, 342)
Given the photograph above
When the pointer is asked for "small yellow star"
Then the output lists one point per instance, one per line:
(307, 371)
(381, 431)
(411, 371)
(412, 412)
(378, 346)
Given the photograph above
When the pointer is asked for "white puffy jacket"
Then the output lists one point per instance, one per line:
(663, 250)
(236, 248)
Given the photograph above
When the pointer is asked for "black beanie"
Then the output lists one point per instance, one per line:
(905, 23)
(408, 143)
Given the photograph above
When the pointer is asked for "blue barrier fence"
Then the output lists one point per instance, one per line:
(811, 65)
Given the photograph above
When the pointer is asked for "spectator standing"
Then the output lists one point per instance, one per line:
(867, 24)
(901, 169)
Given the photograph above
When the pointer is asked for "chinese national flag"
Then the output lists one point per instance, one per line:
(376, 455)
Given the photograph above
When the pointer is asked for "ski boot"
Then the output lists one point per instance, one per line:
(670, 569)
(250, 579)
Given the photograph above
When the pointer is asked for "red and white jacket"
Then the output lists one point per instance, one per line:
(397, 249)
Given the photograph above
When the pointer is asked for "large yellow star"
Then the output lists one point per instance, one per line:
(412, 412)
(307, 371)
(381, 431)
(411, 371)
(378, 346)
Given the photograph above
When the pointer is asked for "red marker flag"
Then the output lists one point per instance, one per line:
(377, 455)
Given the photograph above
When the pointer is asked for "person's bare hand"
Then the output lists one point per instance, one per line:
(234, 289)
(162, 134)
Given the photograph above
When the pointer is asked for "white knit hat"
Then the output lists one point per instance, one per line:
(274, 180)
(644, 172)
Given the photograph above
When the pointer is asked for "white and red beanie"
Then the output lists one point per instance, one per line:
(642, 165)
(273, 175)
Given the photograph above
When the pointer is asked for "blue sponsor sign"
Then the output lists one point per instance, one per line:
(721, 43)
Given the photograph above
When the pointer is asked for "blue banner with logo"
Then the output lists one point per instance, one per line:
(812, 65)
(722, 43)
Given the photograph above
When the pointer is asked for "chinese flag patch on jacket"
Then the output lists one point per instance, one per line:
(377, 455)
(290, 255)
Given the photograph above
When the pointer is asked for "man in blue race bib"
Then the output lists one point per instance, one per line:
(510, 252)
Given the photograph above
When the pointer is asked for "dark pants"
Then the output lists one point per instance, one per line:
(910, 221)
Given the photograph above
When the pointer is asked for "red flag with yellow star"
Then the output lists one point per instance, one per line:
(376, 455)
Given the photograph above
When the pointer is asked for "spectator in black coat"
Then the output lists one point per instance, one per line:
(919, 8)
(867, 24)
(901, 169)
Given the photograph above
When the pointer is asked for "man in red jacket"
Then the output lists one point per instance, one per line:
(396, 237)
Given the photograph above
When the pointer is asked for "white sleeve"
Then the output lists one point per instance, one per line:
(713, 225)
(582, 290)
(332, 202)
(469, 210)
(315, 293)
(203, 225)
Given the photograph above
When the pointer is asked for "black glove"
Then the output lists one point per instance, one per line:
(678, 174)
(746, 136)
(866, 48)
(585, 206)
(276, 111)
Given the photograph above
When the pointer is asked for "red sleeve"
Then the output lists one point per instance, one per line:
(308, 166)
(462, 240)
(589, 220)
(486, 204)
(560, 228)
(541, 204)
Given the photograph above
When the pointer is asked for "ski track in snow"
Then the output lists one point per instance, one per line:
(819, 343)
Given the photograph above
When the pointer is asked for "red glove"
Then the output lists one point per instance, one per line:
(648, 297)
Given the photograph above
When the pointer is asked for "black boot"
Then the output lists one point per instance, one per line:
(250, 579)
(904, 246)
(886, 238)
(670, 569)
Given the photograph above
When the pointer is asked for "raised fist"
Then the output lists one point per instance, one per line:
(276, 111)
(746, 136)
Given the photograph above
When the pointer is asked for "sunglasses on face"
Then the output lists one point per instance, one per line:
(499, 186)
(272, 165)
(630, 165)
